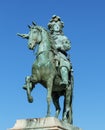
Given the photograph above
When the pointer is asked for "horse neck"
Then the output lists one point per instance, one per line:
(45, 44)
(44, 52)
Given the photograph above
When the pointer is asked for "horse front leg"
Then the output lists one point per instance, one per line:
(67, 108)
(49, 96)
(55, 97)
(67, 115)
(28, 87)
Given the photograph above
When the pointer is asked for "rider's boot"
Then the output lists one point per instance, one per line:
(64, 76)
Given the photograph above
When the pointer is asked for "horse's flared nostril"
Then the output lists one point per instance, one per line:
(30, 46)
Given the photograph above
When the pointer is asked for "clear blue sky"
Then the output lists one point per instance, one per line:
(85, 26)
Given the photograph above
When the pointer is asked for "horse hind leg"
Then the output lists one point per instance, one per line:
(67, 112)
(70, 118)
(66, 105)
(28, 87)
(55, 98)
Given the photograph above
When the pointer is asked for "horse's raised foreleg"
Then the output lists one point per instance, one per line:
(28, 87)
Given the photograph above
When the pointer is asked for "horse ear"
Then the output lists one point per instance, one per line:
(34, 23)
(29, 26)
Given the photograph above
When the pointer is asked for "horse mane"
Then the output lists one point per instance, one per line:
(40, 28)
(51, 39)
(52, 42)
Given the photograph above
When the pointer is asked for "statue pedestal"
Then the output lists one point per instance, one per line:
(49, 123)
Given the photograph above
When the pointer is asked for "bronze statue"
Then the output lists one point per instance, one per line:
(62, 44)
(46, 71)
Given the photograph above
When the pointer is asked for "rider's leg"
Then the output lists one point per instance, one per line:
(64, 76)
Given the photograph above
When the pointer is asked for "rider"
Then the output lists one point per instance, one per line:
(62, 44)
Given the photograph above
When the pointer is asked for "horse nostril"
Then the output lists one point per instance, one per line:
(30, 45)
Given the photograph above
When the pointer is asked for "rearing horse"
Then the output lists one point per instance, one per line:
(43, 67)
(44, 72)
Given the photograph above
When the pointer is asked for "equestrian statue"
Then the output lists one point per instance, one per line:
(52, 67)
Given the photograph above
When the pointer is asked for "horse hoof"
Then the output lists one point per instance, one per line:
(30, 99)
(48, 115)
(25, 87)
(56, 116)
(65, 120)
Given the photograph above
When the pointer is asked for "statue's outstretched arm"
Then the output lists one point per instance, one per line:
(23, 35)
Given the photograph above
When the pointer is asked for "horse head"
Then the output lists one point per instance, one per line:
(34, 36)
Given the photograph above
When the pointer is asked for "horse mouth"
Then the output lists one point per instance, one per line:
(31, 46)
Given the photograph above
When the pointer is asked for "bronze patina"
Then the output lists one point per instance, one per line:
(52, 67)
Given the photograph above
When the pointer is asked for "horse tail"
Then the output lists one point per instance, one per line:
(70, 117)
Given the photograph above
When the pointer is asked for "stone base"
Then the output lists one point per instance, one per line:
(49, 123)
